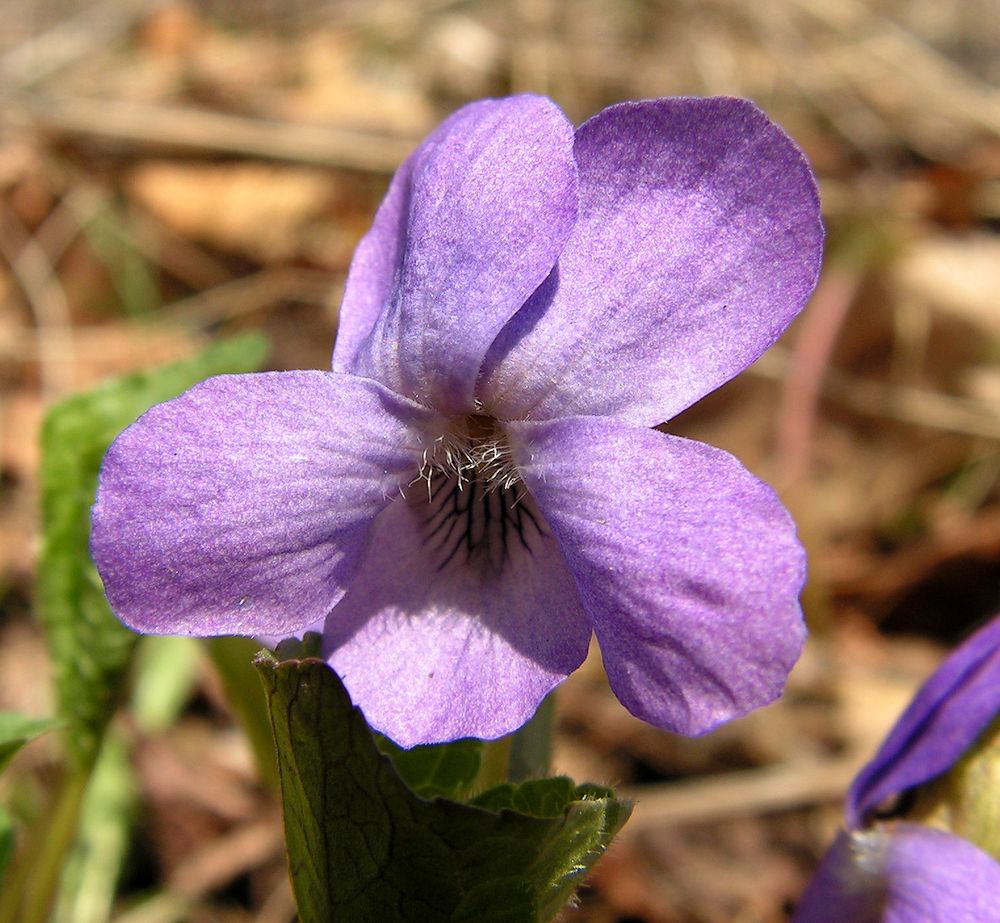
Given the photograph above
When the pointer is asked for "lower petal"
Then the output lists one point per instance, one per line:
(241, 507)
(435, 644)
(687, 565)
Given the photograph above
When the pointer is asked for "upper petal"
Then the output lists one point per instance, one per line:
(949, 712)
(472, 223)
(906, 874)
(688, 565)
(443, 636)
(241, 506)
(698, 240)
(373, 270)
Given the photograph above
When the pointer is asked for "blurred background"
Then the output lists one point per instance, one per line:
(173, 172)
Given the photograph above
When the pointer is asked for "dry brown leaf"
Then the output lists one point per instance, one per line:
(172, 31)
(101, 351)
(21, 420)
(256, 210)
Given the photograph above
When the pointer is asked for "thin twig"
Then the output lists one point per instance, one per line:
(811, 354)
(887, 48)
(70, 40)
(755, 791)
(847, 112)
(248, 294)
(46, 299)
(149, 236)
(225, 857)
(183, 127)
(916, 406)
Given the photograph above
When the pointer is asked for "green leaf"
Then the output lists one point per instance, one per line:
(16, 730)
(90, 649)
(6, 840)
(363, 847)
(539, 797)
(442, 771)
(296, 648)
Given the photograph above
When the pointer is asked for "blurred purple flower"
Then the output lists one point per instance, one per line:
(880, 871)
(474, 489)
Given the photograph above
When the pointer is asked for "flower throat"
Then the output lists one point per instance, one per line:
(473, 504)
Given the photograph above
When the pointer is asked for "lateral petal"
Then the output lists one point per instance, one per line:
(241, 506)
(687, 565)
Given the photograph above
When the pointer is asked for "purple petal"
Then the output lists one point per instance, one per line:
(472, 224)
(906, 874)
(933, 875)
(372, 274)
(435, 642)
(241, 506)
(698, 240)
(849, 884)
(688, 566)
(948, 713)
(272, 641)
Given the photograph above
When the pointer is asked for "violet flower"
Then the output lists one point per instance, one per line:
(881, 871)
(474, 489)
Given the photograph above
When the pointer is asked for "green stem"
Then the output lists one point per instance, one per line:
(531, 746)
(494, 764)
(525, 754)
(233, 658)
(27, 896)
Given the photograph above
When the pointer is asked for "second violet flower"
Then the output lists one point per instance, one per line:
(474, 489)
(915, 844)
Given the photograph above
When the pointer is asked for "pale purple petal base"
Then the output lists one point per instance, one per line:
(688, 566)
(949, 712)
(240, 506)
(433, 653)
